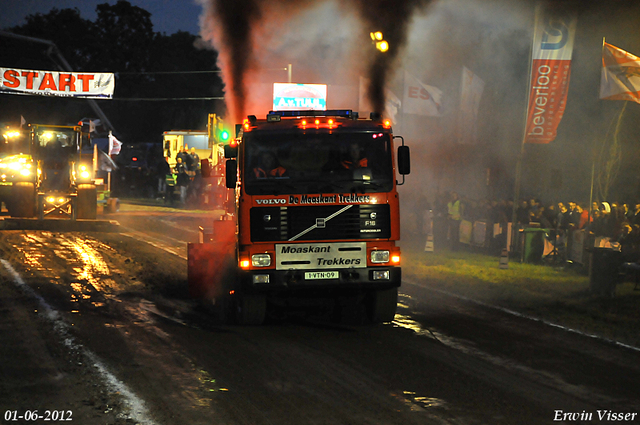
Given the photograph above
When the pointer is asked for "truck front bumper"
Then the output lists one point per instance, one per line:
(371, 278)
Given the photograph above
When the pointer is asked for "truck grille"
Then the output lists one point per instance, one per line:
(320, 223)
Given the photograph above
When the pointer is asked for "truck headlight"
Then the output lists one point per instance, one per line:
(25, 172)
(379, 256)
(260, 260)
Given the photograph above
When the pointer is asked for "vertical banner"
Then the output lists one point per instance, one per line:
(471, 89)
(550, 70)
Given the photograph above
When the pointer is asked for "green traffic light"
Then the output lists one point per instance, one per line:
(224, 135)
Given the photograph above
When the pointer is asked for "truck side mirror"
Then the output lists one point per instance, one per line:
(404, 160)
(230, 151)
(231, 171)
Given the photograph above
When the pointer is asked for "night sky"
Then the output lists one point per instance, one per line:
(168, 16)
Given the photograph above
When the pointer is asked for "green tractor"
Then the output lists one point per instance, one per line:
(46, 176)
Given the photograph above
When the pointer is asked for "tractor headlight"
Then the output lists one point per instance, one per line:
(18, 167)
(84, 172)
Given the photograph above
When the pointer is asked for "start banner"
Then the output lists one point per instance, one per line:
(550, 70)
(53, 83)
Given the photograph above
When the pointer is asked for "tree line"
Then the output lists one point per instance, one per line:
(155, 73)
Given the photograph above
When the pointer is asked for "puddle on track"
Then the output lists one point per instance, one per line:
(75, 265)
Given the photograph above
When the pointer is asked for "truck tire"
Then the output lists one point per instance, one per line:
(87, 202)
(251, 309)
(382, 305)
(23, 200)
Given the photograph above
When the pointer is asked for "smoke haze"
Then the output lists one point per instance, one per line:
(328, 42)
(257, 35)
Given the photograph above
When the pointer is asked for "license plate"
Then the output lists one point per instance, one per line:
(321, 275)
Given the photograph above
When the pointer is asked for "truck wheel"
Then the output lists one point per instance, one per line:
(87, 202)
(251, 309)
(23, 202)
(382, 305)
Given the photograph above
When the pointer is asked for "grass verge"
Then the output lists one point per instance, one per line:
(555, 294)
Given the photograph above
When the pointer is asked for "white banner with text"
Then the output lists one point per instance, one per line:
(54, 83)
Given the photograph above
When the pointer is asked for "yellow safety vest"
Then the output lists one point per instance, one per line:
(454, 209)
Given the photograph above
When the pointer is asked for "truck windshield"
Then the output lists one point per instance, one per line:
(295, 163)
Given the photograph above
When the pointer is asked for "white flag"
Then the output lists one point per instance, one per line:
(471, 90)
(421, 99)
(620, 78)
(114, 145)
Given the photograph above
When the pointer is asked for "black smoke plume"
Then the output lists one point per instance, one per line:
(236, 19)
(392, 18)
(236, 24)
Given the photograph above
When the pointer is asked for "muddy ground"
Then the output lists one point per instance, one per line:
(101, 325)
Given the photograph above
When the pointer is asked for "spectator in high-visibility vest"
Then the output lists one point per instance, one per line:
(454, 208)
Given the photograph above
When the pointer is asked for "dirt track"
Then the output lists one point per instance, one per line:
(100, 325)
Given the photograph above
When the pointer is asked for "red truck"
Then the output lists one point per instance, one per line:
(316, 216)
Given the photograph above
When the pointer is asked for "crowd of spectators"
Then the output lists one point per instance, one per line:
(618, 222)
